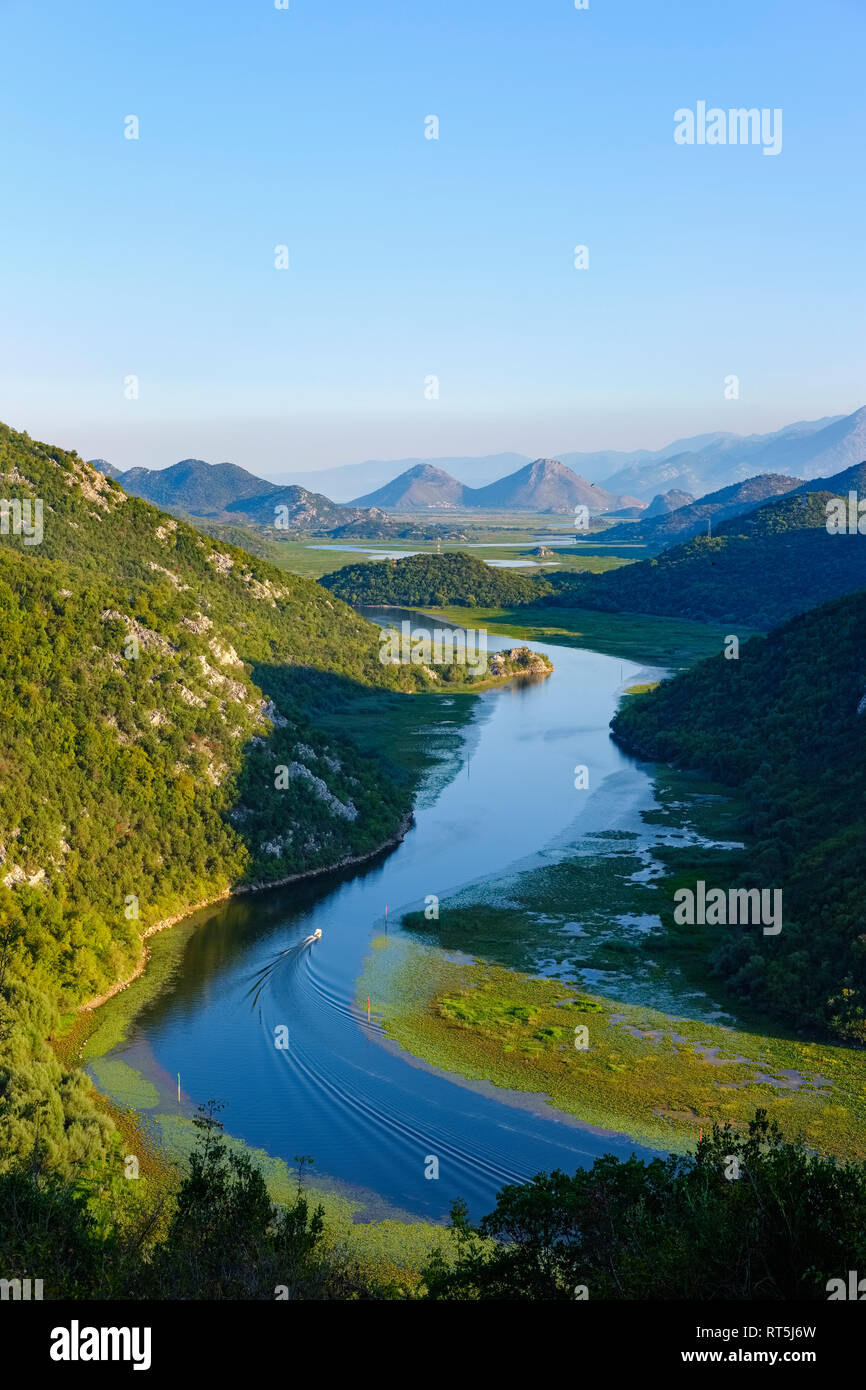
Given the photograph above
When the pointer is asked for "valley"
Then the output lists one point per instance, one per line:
(432, 679)
(503, 994)
(544, 925)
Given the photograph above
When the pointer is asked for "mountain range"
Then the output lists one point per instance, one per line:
(546, 485)
(758, 568)
(698, 464)
(224, 492)
(770, 556)
(354, 479)
(666, 528)
(807, 449)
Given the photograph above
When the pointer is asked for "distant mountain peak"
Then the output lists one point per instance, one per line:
(545, 485)
(423, 487)
(225, 492)
(669, 501)
(541, 467)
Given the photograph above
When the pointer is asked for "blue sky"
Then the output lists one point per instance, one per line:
(412, 257)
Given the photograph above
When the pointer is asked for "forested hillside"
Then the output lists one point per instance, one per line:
(786, 724)
(434, 581)
(667, 526)
(159, 693)
(758, 570)
(223, 492)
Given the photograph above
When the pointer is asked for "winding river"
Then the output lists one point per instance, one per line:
(368, 1113)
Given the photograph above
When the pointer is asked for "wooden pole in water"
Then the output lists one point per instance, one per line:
(368, 1008)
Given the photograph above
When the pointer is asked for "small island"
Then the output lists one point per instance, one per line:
(500, 668)
(520, 661)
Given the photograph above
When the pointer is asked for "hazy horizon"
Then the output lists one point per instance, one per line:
(457, 456)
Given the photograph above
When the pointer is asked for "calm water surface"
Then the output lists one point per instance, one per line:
(367, 1113)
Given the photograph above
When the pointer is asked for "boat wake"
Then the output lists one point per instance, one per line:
(291, 956)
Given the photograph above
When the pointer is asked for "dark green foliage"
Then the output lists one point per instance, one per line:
(672, 1228)
(225, 1238)
(46, 1111)
(781, 724)
(154, 776)
(48, 1232)
(139, 778)
(691, 517)
(434, 581)
(747, 1217)
(228, 1240)
(757, 570)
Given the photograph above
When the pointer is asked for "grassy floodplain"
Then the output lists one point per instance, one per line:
(488, 537)
(495, 989)
(669, 642)
(658, 1077)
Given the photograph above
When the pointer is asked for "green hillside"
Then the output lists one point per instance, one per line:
(223, 492)
(172, 729)
(758, 570)
(161, 696)
(696, 516)
(433, 581)
(192, 485)
(786, 725)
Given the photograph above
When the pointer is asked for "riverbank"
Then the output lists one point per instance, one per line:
(495, 989)
(354, 1105)
(465, 823)
(348, 862)
(379, 1232)
(619, 1067)
(674, 643)
(540, 668)
(388, 1251)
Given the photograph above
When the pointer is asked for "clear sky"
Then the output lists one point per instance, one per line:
(412, 257)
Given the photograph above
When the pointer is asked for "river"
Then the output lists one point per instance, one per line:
(368, 1114)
